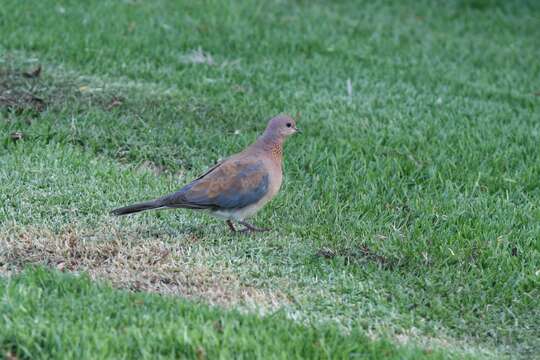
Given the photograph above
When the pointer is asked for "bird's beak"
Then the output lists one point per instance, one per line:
(298, 130)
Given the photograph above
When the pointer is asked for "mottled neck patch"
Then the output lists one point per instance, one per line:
(276, 150)
(272, 145)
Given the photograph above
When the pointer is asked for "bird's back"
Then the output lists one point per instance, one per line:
(242, 180)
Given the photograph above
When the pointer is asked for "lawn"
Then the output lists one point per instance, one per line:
(408, 225)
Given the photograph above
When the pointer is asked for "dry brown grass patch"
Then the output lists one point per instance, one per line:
(162, 265)
(36, 89)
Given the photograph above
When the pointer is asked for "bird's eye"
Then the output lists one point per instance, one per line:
(289, 124)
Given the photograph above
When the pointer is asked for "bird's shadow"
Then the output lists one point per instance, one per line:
(159, 227)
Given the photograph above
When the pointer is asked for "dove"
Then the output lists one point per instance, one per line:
(236, 188)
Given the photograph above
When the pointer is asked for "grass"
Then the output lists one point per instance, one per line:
(59, 316)
(410, 204)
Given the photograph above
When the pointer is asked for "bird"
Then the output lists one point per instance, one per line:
(237, 187)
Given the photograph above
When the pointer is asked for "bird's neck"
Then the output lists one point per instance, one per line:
(272, 145)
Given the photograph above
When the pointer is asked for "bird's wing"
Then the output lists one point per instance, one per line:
(211, 169)
(235, 183)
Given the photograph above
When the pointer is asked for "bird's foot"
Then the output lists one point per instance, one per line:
(231, 226)
(248, 227)
(252, 228)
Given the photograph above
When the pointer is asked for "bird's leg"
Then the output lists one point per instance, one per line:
(250, 227)
(231, 225)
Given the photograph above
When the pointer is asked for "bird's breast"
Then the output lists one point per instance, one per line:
(276, 178)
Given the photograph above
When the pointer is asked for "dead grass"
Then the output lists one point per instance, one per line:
(359, 255)
(197, 56)
(156, 265)
(32, 89)
(18, 91)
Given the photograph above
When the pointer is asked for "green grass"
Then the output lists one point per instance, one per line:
(49, 315)
(422, 184)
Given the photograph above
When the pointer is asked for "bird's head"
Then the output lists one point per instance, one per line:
(281, 126)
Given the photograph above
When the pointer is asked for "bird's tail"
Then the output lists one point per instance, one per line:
(130, 209)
